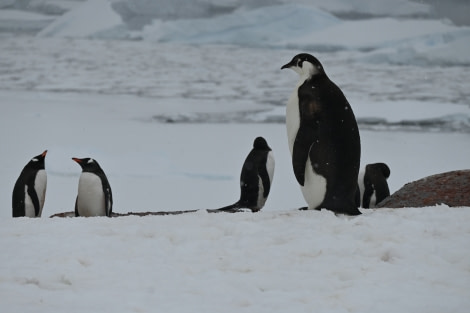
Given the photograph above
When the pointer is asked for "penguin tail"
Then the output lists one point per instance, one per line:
(233, 208)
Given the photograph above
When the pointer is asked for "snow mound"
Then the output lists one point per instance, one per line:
(258, 27)
(87, 20)
(16, 21)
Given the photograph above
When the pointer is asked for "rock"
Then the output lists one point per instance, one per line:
(235, 210)
(451, 188)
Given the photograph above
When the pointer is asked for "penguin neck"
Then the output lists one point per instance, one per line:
(309, 71)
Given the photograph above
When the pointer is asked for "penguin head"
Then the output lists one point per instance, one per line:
(88, 164)
(37, 162)
(379, 169)
(305, 64)
(261, 144)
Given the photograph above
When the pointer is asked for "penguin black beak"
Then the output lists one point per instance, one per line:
(288, 65)
(44, 153)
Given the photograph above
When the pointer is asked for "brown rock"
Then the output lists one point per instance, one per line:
(451, 188)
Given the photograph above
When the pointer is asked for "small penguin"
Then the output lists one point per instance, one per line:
(373, 186)
(29, 192)
(323, 139)
(255, 179)
(94, 192)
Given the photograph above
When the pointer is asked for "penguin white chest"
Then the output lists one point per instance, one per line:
(292, 118)
(270, 169)
(314, 188)
(90, 199)
(40, 185)
(360, 183)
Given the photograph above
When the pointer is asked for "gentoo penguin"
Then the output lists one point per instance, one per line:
(94, 192)
(29, 192)
(255, 179)
(323, 139)
(373, 186)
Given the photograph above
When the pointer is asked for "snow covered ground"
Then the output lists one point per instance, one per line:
(171, 123)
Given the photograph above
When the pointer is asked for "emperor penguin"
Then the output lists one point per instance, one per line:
(255, 179)
(29, 192)
(373, 186)
(323, 139)
(94, 196)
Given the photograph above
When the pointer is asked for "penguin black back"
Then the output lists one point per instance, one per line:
(30, 188)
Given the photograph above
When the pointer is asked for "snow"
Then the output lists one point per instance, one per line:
(172, 122)
(92, 17)
(20, 21)
(388, 260)
(398, 32)
(276, 260)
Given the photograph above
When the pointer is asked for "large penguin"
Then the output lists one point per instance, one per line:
(94, 192)
(29, 192)
(373, 186)
(255, 179)
(323, 139)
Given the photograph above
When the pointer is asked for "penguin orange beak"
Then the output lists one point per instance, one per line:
(44, 153)
(77, 160)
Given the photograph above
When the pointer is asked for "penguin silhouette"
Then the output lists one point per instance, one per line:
(255, 179)
(29, 192)
(323, 139)
(94, 196)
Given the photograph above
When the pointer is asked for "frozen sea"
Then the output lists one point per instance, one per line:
(170, 103)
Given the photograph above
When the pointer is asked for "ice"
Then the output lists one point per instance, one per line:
(88, 19)
(398, 32)
(22, 22)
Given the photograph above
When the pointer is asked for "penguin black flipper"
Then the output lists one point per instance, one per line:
(34, 198)
(378, 174)
(300, 153)
(76, 208)
(263, 174)
(108, 198)
(381, 189)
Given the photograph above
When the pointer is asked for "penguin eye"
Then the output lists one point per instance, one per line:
(299, 63)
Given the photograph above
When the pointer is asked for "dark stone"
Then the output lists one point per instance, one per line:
(451, 188)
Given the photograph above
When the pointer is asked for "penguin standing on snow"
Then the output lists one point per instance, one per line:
(323, 139)
(255, 179)
(94, 192)
(373, 186)
(29, 192)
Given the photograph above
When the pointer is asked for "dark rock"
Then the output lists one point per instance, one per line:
(233, 210)
(451, 188)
